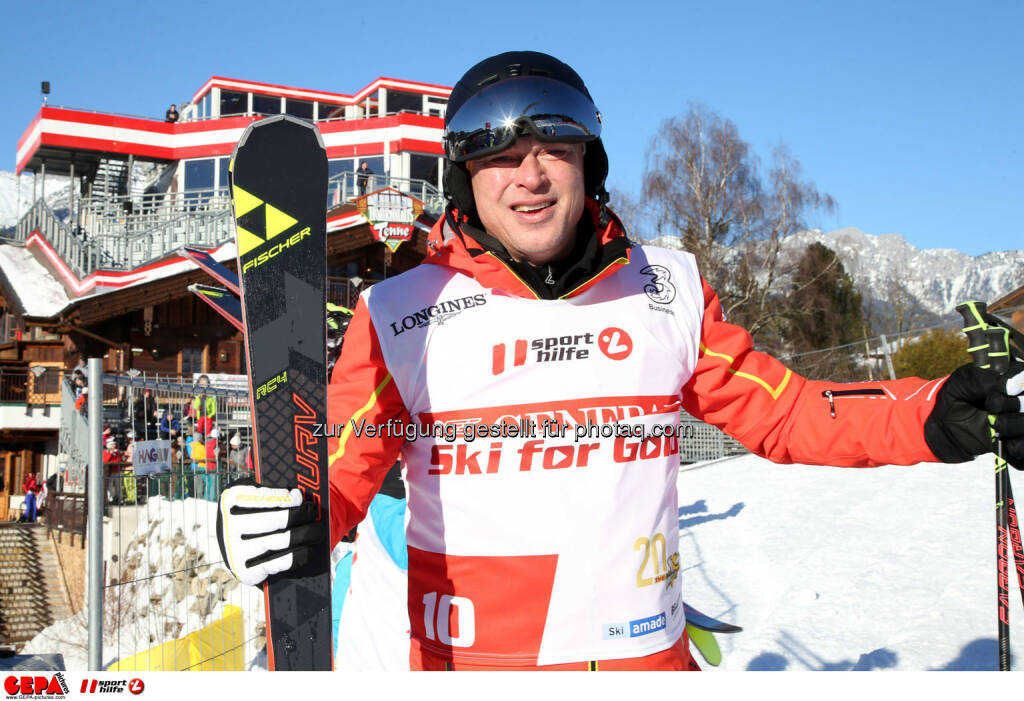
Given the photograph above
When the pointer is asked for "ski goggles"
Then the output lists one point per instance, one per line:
(492, 119)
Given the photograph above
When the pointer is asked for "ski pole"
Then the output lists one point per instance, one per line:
(981, 337)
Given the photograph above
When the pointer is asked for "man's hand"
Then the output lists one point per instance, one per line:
(264, 531)
(958, 428)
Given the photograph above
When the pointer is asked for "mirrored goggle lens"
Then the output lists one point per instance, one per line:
(489, 121)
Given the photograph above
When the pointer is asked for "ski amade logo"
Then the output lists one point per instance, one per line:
(614, 342)
(36, 687)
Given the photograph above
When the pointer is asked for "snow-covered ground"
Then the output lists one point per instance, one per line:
(842, 568)
(166, 553)
(890, 568)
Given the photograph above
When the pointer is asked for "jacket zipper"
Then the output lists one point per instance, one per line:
(829, 394)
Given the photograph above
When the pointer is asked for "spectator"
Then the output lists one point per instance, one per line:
(81, 393)
(128, 470)
(146, 416)
(112, 470)
(197, 463)
(238, 459)
(363, 176)
(204, 406)
(31, 487)
(170, 426)
(171, 115)
(211, 490)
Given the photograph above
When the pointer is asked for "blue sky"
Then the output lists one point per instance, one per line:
(908, 113)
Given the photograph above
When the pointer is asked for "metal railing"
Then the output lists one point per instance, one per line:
(33, 386)
(346, 186)
(123, 233)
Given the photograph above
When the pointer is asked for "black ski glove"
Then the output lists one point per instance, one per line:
(263, 531)
(958, 428)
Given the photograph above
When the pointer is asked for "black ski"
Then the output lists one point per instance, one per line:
(706, 622)
(279, 191)
(222, 301)
(217, 270)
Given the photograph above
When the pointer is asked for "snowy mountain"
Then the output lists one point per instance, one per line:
(14, 203)
(938, 278)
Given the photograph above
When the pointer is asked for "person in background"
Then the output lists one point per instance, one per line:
(171, 115)
(363, 176)
(211, 489)
(170, 426)
(31, 488)
(112, 468)
(204, 406)
(146, 416)
(128, 470)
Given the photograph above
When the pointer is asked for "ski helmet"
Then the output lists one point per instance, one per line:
(513, 94)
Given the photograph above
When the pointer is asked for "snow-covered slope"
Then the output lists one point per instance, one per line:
(57, 195)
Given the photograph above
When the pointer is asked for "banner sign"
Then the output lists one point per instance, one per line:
(151, 456)
(391, 214)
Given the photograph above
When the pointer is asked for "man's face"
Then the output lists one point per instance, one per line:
(530, 197)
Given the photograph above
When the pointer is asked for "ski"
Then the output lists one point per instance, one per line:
(279, 194)
(706, 622)
(218, 271)
(222, 301)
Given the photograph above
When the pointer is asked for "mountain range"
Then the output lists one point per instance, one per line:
(930, 281)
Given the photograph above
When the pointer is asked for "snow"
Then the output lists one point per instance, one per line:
(172, 546)
(844, 568)
(40, 294)
(891, 568)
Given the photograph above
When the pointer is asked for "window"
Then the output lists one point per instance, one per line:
(191, 360)
(328, 110)
(299, 108)
(404, 102)
(232, 102)
(423, 168)
(222, 178)
(199, 174)
(266, 104)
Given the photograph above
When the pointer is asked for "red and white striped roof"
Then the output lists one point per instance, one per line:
(155, 139)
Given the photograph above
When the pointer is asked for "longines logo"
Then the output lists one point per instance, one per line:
(437, 313)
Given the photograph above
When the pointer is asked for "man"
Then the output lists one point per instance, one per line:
(542, 527)
(363, 176)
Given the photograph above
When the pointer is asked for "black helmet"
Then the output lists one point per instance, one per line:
(516, 93)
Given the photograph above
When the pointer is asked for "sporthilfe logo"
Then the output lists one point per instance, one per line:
(613, 342)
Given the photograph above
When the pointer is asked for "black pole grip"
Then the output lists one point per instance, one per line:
(998, 348)
(973, 313)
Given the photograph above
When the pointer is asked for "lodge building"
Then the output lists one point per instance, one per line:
(104, 276)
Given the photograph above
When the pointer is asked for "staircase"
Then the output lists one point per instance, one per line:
(31, 596)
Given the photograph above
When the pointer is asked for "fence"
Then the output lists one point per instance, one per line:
(170, 447)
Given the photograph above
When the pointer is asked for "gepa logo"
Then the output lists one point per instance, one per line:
(41, 687)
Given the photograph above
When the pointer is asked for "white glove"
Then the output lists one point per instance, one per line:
(263, 531)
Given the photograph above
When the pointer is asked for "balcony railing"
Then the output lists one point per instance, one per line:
(124, 233)
(37, 385)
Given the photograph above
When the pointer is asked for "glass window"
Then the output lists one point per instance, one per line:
(191, 360)
(423, 168)
(199, 174)
(298, 108)
(327, 110)
(404, 102)
(232, 102)
(222, 177)
(266, 104)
